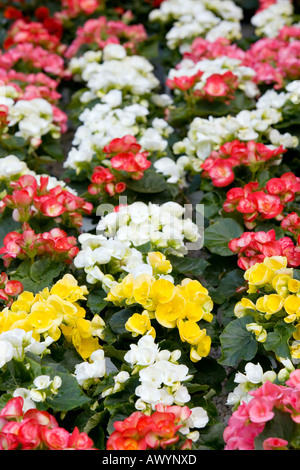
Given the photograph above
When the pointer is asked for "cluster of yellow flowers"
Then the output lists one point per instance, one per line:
(180, 306)
(55, 312)
(280, 297)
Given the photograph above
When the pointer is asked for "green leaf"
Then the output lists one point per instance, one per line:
(69, 396)
(118, 320)
(230, 282)
(278, 340)
(186, 265)
(281, 426)
(237, 343)
(96, 302)
(44, 271)
(218, 235)
(151, 182)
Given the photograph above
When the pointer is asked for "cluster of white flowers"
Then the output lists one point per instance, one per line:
(124, 86)
(164, 226)
(219, 65)
(34, 118)
(99, 254)
(132, 74)
(270, 20)
(210, 19)
(161, 381)
(42, 387)
(206, 135)
(15, 343)
(160, 374)
(87, 372)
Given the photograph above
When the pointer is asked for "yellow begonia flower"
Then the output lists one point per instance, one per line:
(67, 288)
(275, 262)
(294, 285)
(242, 308)
(281, 284)
(201, 350)
(270, 304)
(142, 288)
(292, 308)
(295, 350)
(140, 324)
(259, 274)
(98, 326)
(296, 334)
(258, 330)
(159, 263)
(43, 316)
(162, 291)
(168, 313)
(190, 332)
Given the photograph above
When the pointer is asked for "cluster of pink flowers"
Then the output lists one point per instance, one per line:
(274, 60)
(291, 223)
(46, 33)
(219, 165)
(100, 32)
(249, 420)
(37, 430)
(35, 57)
(216, 86)
(31, 198)
(126, 160)
(9, 289)
(55, 244)
(157, 431)
(257, 204)
(203, 49)
(254, 247)
(73, 8)
(32, 85)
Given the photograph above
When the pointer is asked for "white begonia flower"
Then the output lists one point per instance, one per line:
(90, 370)
(6, 352)
(152, 375)
(114, 51)
(182, 395)
(28, 403)
(122, 377)
(152, 141)
(41, 382)
(237, 396)
(37, 395)
(39, 347)
(145, 356)
(149, 393)
(56, 383)
(11, 166)
(162, 100)
(113, 98)
(199, 418)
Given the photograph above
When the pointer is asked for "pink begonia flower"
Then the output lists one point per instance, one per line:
(260, 410)
(275, 443)
(13, 409)
(294, 379)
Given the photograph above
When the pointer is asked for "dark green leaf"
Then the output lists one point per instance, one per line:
(219, 234)
(237, 343)
(277, 340)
